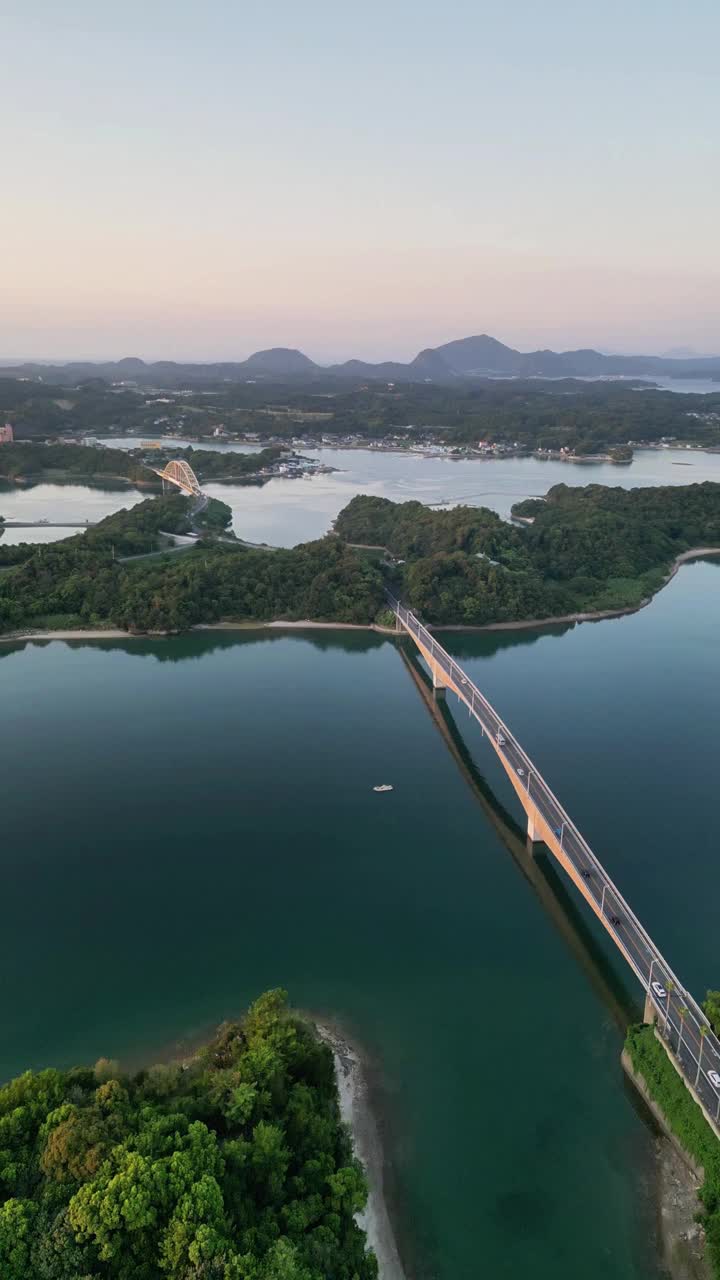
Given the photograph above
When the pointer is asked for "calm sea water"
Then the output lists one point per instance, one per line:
(63, 502)
(187, 822)
(286, 511)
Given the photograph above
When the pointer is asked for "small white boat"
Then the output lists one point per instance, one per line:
(385, 787)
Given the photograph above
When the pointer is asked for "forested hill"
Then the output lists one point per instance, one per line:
(234, 1167)
(586, 550)
(86, 581)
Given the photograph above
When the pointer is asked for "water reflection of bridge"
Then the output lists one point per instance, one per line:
(684, 1029)
(539, 872)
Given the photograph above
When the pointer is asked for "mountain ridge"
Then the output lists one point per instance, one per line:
(477, 356)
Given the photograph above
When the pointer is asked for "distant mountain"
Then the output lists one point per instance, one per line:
(282, 361)
(477, 357)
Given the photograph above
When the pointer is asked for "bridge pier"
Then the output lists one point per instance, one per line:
(534, 839)
(439, 682)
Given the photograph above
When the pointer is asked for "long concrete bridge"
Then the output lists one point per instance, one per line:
(685, 1031)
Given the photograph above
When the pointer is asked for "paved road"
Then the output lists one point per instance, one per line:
(680, 1019)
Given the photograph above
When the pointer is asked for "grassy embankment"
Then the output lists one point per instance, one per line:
(687, 1123)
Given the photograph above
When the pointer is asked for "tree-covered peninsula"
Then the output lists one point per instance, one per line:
(31, 461)
(234, 1166)
(586, 550)
(94, 579)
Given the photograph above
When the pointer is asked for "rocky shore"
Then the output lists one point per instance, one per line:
(682, 1239)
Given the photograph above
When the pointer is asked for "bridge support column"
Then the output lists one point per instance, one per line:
(439, 683)
(649, 1014)
(534, 838)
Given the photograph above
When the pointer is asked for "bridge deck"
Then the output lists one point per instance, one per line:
(681, 1021)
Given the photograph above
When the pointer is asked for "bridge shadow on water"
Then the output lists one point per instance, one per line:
(567, 916)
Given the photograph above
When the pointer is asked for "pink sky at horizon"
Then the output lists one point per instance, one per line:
(242, 178)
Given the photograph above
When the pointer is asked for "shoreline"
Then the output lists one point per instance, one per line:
(681, 1238)
(307, 624)
(695, 553)
(369, 445)
(357, 1113)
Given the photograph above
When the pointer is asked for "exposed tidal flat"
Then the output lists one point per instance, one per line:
(190, 821)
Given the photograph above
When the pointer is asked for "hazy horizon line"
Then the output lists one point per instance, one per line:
(678, 352)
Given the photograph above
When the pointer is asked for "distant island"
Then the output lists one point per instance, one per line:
(232, 1165)
(580, 551)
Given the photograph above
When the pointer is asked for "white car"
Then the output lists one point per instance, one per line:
(501, 740)
(714, 1078)
(521, 772)
(659, 990)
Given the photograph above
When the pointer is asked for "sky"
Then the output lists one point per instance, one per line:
(194, 180)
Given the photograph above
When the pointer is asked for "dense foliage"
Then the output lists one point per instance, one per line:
(83, 581)
(234, 1168)
(687, 1122)
(216, 516)
(229, 465)
(78, 461)
(588, 549)
(589, 417)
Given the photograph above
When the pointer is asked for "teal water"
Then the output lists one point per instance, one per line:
(187, 822)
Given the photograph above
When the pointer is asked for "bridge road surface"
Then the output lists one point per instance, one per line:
(695, 1047)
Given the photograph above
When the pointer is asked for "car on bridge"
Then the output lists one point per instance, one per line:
(659, 990)
(714, 1079)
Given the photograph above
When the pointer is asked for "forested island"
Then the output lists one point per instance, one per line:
(587, 550)
(28, 462)
(232, 1166)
